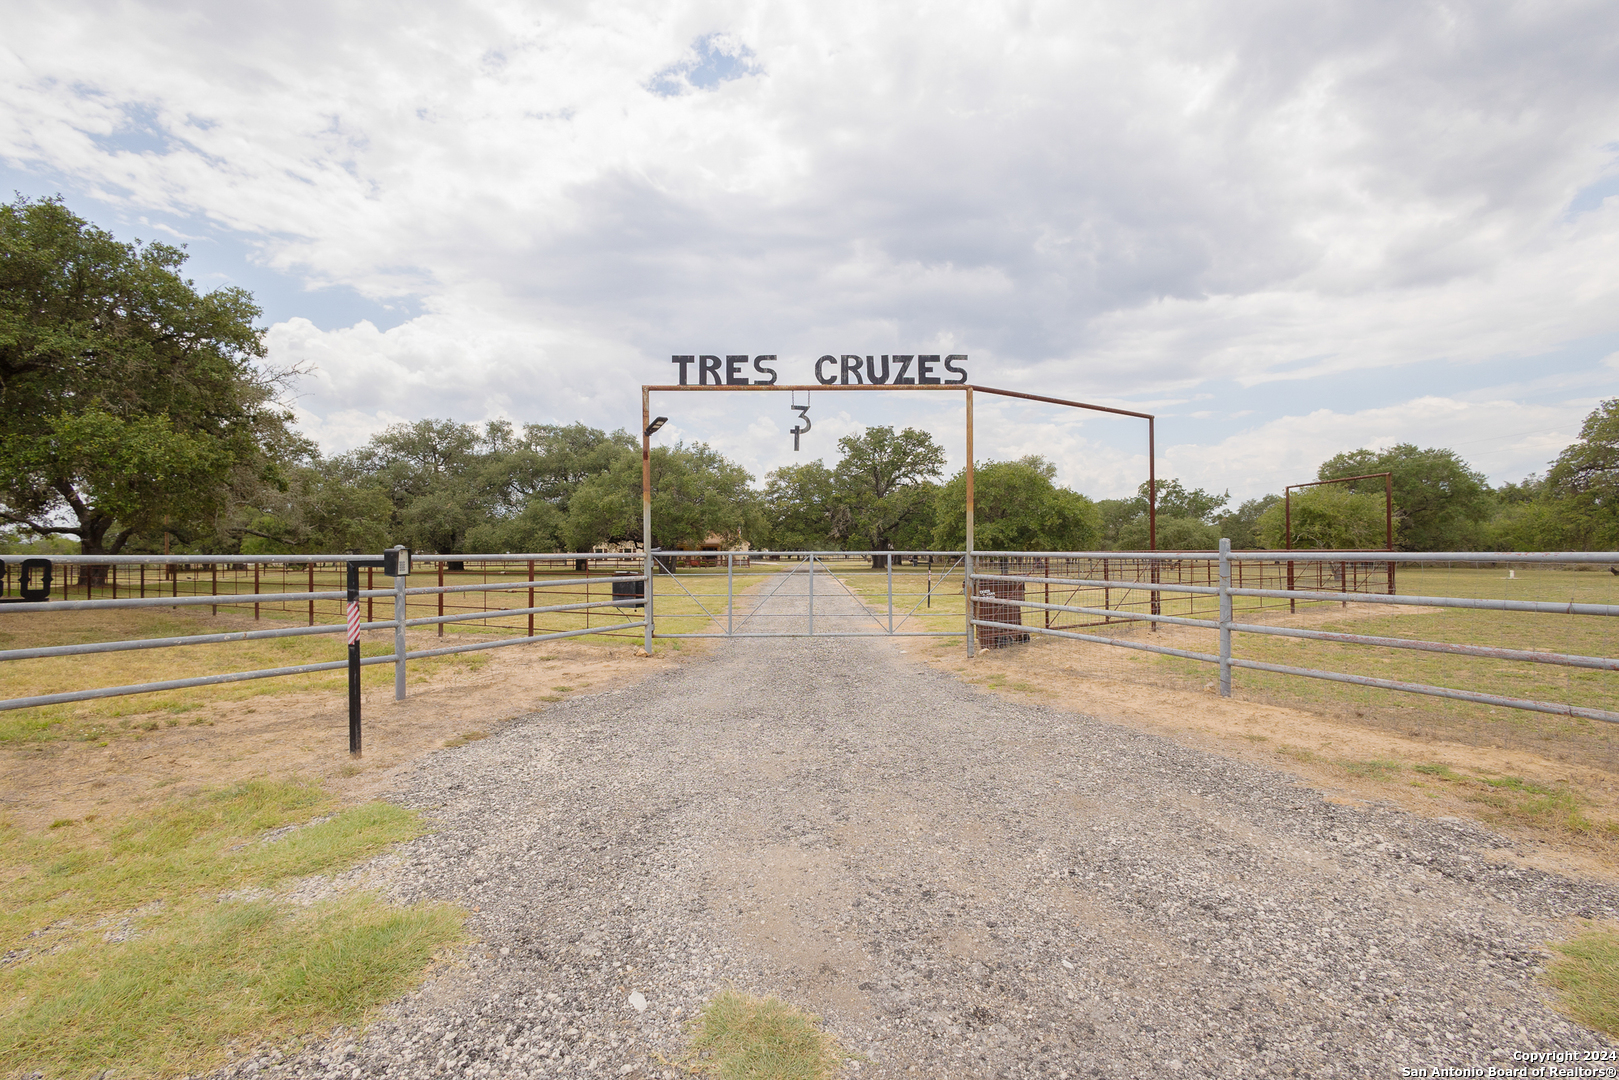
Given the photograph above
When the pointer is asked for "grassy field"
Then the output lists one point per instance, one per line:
(146, 945)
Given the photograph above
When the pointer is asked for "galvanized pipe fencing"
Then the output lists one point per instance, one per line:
(999, 594)
(614, 606)
(760, 594)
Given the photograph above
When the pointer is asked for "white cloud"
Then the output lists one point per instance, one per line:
(1121, 203)
(1249, 463)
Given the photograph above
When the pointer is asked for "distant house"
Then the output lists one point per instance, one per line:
(716, 542)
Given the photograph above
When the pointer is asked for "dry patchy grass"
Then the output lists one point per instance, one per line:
(147, 943)
(1562, 807)
(107, 764)
(1586, 974)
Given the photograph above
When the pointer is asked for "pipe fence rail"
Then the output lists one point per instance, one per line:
(597, 594)
(1000, 602)
(988, 598)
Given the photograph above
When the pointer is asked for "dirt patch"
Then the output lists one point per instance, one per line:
(1323, 750)
(306, 734)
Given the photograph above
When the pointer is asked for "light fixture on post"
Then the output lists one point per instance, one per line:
(652, 428)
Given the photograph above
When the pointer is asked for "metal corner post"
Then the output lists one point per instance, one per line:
(1152, 514)
(351, 596)
(646, 512)
(1388, 522)
(967, 559)
(1225, 617)
(399, 638)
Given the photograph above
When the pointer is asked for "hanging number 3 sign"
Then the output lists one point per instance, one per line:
(803, 418)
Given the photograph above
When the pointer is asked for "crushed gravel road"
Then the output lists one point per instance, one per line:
(961, 885)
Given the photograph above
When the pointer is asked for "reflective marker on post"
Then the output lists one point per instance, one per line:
(396, 562)
(354, 658)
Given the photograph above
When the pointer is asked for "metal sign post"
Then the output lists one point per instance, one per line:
(396, 564)
(648, 429)
(967, 563)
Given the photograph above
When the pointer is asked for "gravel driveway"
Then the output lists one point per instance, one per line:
(961, 885)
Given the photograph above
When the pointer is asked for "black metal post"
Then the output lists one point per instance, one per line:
(352, 613)
(354, 659)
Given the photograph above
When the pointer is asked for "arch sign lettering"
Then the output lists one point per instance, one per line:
(905, 369)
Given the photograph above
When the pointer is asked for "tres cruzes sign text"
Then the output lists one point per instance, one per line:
(924, 369)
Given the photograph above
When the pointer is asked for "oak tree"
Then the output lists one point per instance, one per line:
(131, 405)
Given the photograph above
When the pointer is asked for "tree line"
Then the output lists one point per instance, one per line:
(1440, 503)
(138, 417)
(454, 488)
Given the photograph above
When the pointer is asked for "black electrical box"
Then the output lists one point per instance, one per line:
(629, 593)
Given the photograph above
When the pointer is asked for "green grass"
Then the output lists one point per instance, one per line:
(738, 1037)
(1516, 801)
(1589, 636)
(1587, 978)
(1371, 770)
(148, 944)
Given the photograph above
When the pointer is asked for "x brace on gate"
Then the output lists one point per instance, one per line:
(647, 428)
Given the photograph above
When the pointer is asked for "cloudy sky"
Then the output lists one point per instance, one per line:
(1286, 229)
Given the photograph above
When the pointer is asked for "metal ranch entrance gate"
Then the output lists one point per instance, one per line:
(649, 425)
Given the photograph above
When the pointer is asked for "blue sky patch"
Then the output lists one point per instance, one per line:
(714, 59)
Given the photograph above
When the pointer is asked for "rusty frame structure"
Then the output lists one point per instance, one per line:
(1388, 518)
(967, 388)
(1388, 504)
